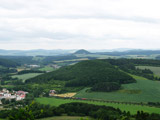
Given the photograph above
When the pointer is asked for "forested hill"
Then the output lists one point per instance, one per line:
(8, 63)
(82, 51)
(86, 73)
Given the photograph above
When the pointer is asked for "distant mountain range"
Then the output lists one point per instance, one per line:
(35, 52)
(57, 52)
(131, 52)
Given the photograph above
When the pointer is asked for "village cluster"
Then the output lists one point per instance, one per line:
(17, 95)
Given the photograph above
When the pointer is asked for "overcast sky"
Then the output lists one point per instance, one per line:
(77, 24)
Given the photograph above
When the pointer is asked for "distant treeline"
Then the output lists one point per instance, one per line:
(128, 65)
(158, 57)
(106, 86)
(30, 71)
(7, 66)
(50, 59)
(21, 60)
(8, 63)
(123, 61)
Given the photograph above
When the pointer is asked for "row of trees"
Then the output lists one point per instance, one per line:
(149, 62)
(106, 87)
(30, 71)
(36, 111)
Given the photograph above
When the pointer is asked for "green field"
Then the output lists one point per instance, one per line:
(142, 91)
(124, 107)
(72, 60)
(38, 58)
(155, 70)
(65, 118)
(47, 68)
(26, 76)
(97, 56)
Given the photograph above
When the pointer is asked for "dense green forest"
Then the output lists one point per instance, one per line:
(20, 59)
(8, 63)
(124, 61)
(7, 66)
(82, 51)
(85, 73)
(6, 70)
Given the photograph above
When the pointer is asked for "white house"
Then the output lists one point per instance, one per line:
(52, 92)
(7, 95)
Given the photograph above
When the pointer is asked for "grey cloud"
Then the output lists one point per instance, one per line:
(36, 9)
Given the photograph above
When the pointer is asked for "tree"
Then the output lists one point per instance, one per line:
(22, 114)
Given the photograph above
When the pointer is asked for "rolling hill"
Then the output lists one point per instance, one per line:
(86, 73)
(82, 51)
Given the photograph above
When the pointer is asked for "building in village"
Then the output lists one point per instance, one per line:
(55, 66)
(18, 95)
(52, 92)
(33, 66)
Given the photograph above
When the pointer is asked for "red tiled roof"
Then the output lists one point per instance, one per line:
(20, 92)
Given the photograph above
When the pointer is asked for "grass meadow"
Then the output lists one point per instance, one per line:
(142, 91)
(124, 107)
(47, 68)
(155, 70)
(26, 76)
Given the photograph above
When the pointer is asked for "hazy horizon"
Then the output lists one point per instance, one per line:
(123, 49)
